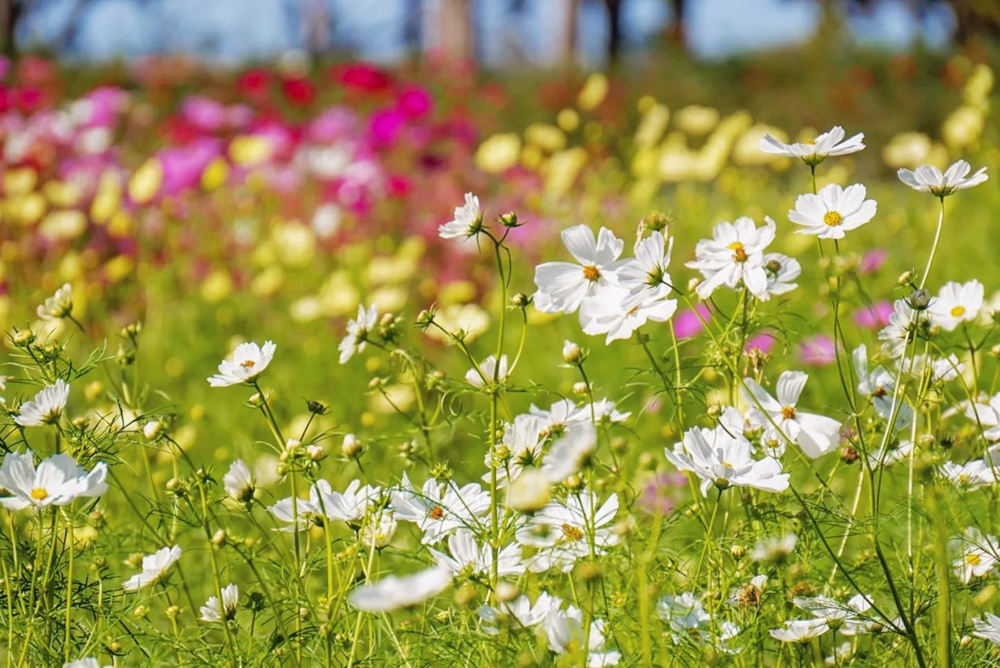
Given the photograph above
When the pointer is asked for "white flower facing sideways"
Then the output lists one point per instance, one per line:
(782, 271)
(467, 221)
(46, 407)
(407, 591)
(833, 212)
(801, 630)
(239, 482)
(357, 332)
(979, 557)
(565, 632)
(616, 313)
(896, 335)
(245, 365)
(489, 369)
(957, 303)
(815, 151)
(570, 453)
(723, 459)
(470, 557)
(521, 609)
(734, 256)
(230, 601)
(563, 286)
(929, 179)
(59, 305)
(817, 435)
(154, 566)
(988, 628)
(57, 481)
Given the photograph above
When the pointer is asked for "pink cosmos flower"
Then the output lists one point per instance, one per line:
(817, 350)
(657, 494)
(764, 342)
(687, 323)
(873, 317)
(872, 261)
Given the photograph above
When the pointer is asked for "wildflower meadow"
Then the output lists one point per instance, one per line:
(360, 366)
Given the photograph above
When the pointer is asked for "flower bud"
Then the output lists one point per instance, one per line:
(509, 219)
(152, 429)
(905, 278)
(257, 400)
(315, 452)
(140, 611)
(219, 538)
(919, 300)
(572, 354)
(23, 338)
(738, 551)
(580, 389)
(317, 408)
(506, 591)
(352, 446)
(520, 300)
(173, 611)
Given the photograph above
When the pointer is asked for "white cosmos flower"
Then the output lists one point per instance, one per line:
(941, 368)
(901, 328)
(467, 222)
(88, 662)
(979, 557)
(689, 620)
(570, 453)
(617, 313)
(833, 212)
(734, 256)
(562, 415)
(971, 475)
(774, 549)
(817, 435)
(607, 410)
(46, 407)
(648, 271)
(439, 509)
(378, 531)
(560, 531)
(59, 305)
(526, 613)
(57, 481)
(357, 332)
(395, 592)
(154, 566)
(813, 152)
(230, 601)
(489, 368)
(782, 271)
(246, 363)
(725, 460)
(750, 593)
(929, 179)
(880, 386)
(523, 440)
(988, 628)
(349, 506)
(849, 618)
(239, 482)
(565, 633)
(988, 415)
(470, 557)
(957, 303)
(800, 630)
(563, 286)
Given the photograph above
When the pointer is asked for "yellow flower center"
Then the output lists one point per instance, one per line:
(247, 364)
(811, 142)
(571, 532)
(788, 412)
(739, 251)
(591, 273)
(832, 218)
(728, 465)
(973, 559)
(437, 513)
(39, 494)
(958, 312)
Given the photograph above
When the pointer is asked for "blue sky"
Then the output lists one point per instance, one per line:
(232, 30)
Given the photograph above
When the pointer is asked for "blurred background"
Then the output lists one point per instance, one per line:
(216, 168)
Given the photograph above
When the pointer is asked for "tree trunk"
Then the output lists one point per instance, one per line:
(677, 33)
(413, 23)
(614, 31)
(10, 12)
(456, 29)
(566, 49)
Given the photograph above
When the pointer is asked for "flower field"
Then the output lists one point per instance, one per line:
(341, 365)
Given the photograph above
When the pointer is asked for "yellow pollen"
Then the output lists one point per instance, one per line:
(811, 142)
(728, 465)
(973, 559)
(591, 273)
(739, 251)
(39, 494)
(832, 218)
(247, 364)
(437, 513)
(571, 532)
(788, 412)
(958, 312)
